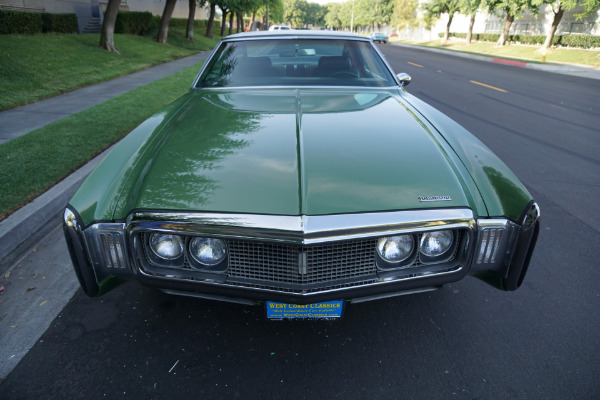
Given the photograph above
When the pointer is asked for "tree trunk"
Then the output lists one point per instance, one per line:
(447, 33)
(241, 27)
(163, 30)
(189, 33)
(107, 37)
(231, 22)
(555, 21)
(252, 20)
(504, 36)
(471, 23)
(211, 20)
(223, 20)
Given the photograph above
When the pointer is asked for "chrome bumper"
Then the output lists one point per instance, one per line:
(495, 250)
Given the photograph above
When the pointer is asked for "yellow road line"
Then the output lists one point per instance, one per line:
(488, 86)
(416, 65)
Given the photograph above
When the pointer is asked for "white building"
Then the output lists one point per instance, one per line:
(490, 23)
(89, 12)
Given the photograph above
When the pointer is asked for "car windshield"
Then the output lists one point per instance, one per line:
(296, 62)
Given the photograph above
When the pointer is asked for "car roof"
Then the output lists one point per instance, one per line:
(293, 33)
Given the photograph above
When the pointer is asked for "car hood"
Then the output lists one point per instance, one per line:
(297, 152)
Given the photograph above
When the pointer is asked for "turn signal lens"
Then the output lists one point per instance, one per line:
(166, 246)
(395, 249)
(208, 251)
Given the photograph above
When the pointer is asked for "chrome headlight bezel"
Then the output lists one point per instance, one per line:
(405, 259)
(160, 242)
(446, 249)
(219, 253)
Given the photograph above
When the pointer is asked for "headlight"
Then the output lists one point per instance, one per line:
(395, 249)
(166, 246)
(435, 245)
(208, 251)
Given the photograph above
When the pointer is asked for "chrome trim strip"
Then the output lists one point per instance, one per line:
(302, 229)
(211, 282)
(492, 223)
(393, 294)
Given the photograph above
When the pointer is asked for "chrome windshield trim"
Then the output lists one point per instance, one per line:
(298, 87)
(302, 229)
(294, 35)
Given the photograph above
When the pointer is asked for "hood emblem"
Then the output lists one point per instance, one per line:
(435, 198)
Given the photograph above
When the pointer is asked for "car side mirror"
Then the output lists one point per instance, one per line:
(404, 78)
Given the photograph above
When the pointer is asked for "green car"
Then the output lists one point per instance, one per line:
(298, 174)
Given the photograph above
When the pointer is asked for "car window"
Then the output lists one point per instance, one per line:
(292, 62)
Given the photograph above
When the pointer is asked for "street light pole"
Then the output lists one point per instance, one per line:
(267, 14)
(352, 18)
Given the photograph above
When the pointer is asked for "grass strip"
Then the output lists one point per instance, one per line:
(33, 163)
(34, 67)
(526, 53)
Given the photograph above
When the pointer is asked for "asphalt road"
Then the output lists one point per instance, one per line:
(466, 340)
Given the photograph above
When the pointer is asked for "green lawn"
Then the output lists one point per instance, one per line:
(58, 149)
(521, 52)
(34, 67)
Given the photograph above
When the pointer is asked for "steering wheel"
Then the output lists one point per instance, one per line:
(344, 74)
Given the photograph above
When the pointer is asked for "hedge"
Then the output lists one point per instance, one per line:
(60, 23)
(583, 41)
(17, 22)
(135, 22)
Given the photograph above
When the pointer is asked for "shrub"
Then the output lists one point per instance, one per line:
(18, 22)
(59, 23)
(585, 41)
(15, 22)
(135, 22)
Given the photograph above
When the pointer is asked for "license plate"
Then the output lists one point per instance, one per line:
(326, 310)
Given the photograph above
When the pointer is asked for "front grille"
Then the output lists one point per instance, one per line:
(296, 268)
(284, 263)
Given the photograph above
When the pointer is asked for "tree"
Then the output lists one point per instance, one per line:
(315, 14)
(470, 8)
(332, 17)
(189, 32)
(512, 10)
(558, 9)
(224, 11)
(373, 13)
(295, 12)
(107, 37)
(163, 29)
(438, 7)
(404, 12)
(211, 19)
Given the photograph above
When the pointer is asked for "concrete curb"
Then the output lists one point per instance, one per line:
(31, 223)
(565, 69)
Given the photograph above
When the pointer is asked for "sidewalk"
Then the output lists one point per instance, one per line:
(22, 120)
(28, 225)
